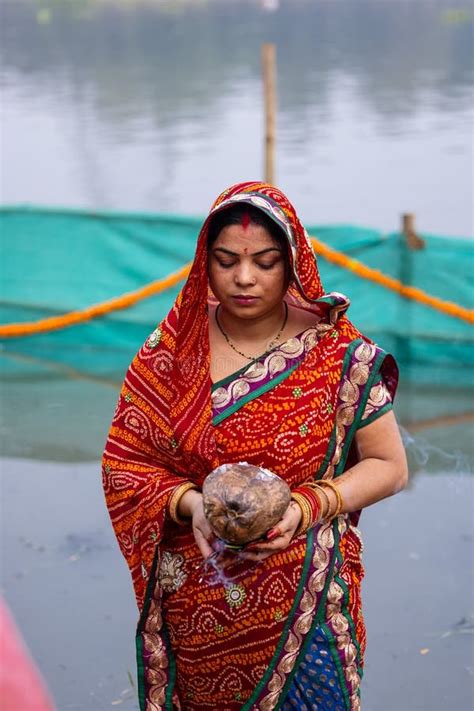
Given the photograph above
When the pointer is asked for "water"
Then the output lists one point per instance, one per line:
(158, 105)
(70, 590)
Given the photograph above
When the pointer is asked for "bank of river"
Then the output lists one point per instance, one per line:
(70, 591)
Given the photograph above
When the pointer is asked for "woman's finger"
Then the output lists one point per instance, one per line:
(273, 533)
(277, 544)
(202, 543)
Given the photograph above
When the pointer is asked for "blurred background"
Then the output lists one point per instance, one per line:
(121, 121)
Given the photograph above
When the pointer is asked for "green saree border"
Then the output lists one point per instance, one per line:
(289, 622)
(327, 299)
(316, 620)
(254, 394)
(337, 662)
(172, 672)
(140, 673)
(140, 628)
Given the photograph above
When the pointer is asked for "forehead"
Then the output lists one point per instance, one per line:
(241, 239)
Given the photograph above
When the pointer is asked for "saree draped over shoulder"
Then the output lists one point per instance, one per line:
(287, 632)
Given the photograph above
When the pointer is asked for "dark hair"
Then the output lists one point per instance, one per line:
(235, 216)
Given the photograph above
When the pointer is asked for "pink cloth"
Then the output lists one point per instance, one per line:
(21, 686)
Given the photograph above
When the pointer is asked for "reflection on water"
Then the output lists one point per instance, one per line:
(157, 105)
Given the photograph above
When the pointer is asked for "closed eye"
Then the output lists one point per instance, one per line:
(267, 266)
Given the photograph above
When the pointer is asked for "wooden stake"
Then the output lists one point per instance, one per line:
(269, 88)
(414, 241)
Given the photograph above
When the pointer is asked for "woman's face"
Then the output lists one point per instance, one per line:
(247, 271)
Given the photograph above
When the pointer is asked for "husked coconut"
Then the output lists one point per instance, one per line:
(242, 502)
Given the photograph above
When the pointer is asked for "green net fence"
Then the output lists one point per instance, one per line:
(61, 386)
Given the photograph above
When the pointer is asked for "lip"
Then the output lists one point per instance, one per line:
(245, 298)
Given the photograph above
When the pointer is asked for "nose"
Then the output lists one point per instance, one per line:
(244, 275)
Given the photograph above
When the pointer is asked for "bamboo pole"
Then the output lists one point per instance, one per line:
(414, 241)
(269, 89)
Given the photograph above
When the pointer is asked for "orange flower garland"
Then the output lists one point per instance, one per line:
(55, 323)
(374, 275)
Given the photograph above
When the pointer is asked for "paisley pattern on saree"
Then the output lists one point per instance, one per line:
(156, 669)
(262, 372)
(221, 617)
(352, 393)
(343, 602)
(172, 574)
(379, 399)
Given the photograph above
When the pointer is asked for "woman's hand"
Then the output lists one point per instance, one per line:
(190, 505)
(278, 538)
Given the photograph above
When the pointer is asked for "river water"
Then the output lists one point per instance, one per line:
(157, 106)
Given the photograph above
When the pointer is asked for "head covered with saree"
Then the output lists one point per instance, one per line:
(305, 287)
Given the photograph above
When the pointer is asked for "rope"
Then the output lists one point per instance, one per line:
(55, 323)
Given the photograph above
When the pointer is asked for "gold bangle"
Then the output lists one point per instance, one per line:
(175, 498)
(340, 502)
(305, 522)
(305, 516)
(320, 491)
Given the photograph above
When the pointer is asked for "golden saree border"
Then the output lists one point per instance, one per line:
(263, 374)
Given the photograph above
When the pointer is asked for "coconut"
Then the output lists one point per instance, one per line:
(242, 502)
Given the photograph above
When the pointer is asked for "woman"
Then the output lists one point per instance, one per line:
(253, 363)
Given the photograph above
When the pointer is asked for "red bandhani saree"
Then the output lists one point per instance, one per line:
(286, 632)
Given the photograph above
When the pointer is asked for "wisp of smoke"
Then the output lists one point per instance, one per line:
(426, 457)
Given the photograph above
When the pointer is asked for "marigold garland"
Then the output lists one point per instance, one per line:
(376, 276)
(55, 323)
